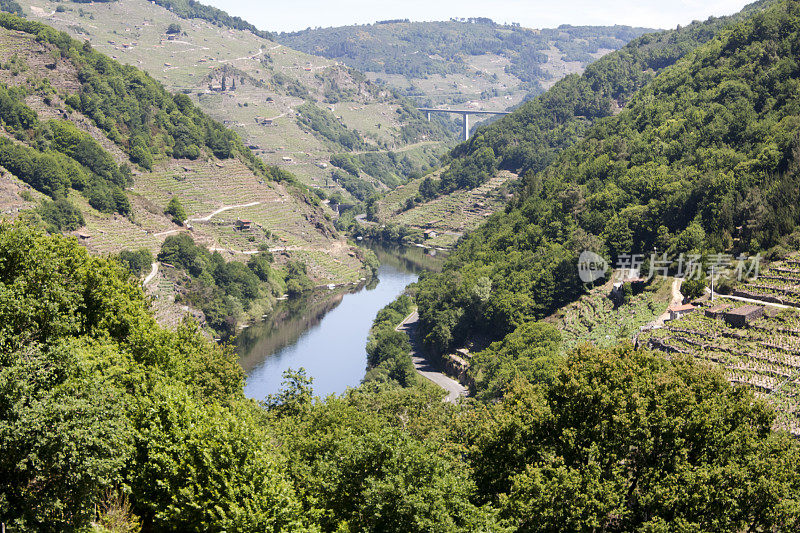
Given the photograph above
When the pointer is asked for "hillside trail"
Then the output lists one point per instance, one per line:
(455, 390)
(222, 210)
(677, 299)
(152, 274)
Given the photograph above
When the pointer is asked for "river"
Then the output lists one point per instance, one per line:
(327, 333)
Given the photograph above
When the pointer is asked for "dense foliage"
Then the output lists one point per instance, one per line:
(99, 405)
(136, 261)
(222, 290)
(60, 215)
(175, 210)
(95, 396)
(387, 348)
(55, 157)
(627, 441)
(529, 139)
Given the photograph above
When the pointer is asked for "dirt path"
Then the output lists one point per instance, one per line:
(750, 300)
(677, 299)
(152, 274)
(168, 232)
(222, 210)
(454, 389)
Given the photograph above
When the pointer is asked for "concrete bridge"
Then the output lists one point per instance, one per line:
(465, 112)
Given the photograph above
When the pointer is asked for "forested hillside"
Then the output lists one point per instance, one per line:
(702, 159)
(460, 60)
(529, 139)
(111, 423)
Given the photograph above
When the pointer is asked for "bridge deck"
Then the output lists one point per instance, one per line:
(463, 111)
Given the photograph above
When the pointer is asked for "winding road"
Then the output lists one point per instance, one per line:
(455, 390)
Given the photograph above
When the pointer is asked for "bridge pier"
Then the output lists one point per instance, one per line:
(464, 113)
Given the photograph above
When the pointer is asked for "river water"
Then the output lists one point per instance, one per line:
(327, 333)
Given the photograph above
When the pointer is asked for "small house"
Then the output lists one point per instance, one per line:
(741, 316)
(677, 311)
(244, 225)
(83, 236)
(286, 159)
(430, 233)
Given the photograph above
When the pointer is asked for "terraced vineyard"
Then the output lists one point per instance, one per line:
(450, 215)
(282, 217)
(763, 356)
(595, 319)
(778, 282)
(252, 85)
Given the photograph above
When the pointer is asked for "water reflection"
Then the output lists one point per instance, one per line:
(326, 333)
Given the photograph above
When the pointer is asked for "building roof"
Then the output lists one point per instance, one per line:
(745, 310)
(719, 308)
(682, 307)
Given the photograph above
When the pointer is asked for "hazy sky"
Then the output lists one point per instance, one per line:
(280, 15)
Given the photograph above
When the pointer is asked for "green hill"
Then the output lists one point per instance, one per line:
(700, 160)
(473, 60)
(100, 150)
(110, 422)
(292, 109)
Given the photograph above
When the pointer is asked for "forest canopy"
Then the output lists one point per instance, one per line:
(106, 416)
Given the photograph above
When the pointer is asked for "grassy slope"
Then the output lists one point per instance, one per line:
(133, 32)
(287, 222)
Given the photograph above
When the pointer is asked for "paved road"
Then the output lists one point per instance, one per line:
(455, 390)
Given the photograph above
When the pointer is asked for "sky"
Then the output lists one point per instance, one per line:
(278, 16)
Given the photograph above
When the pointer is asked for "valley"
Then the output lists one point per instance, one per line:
(474, 62)
(245, 287)
(258, 88)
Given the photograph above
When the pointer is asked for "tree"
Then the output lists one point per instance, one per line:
(693, 288)
(60, 215)
(625, 440)
(137, 261)
(173, 28)
(175, 209)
